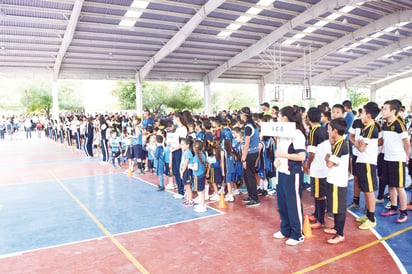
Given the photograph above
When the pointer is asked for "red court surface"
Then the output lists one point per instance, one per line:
(237, 241)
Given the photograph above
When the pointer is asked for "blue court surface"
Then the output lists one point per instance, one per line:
(401, 245)
(39, 215)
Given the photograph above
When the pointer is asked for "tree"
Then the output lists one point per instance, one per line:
(185, 97)
(357, 98)
(38, 99)
(155, 96)
(126, 93)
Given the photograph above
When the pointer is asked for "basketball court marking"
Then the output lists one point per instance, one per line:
(132, 259)
(353, 251)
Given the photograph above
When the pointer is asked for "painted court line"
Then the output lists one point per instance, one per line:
(171, 192)
(387, 247)
(132, 259)
(353, 251)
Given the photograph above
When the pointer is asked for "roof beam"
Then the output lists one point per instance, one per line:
(383, 70)
(384, 22)
(313, 12)
(363, 60)
(180, 36)
(68, 37)
(391, 80)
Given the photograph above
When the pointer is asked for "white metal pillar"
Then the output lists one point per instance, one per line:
(373, 93)
(139, 95)
(207, 99)
(55, 95)
(261, 95)
(343, 94)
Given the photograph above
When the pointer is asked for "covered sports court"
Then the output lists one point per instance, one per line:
(63, 214)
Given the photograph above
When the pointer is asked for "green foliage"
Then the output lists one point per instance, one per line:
(157, 97)
(126, 94)
(357, 98)
(184, 97)
(38, 99)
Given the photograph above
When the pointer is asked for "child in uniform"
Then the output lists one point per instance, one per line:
(185, 173)
(115, 146)
(199, 179)
(338, 164)
(367, 145)
(159, 162)
(129, 153)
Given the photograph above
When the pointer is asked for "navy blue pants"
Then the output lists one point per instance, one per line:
(289, 193)
(177, 157)
(105, 150)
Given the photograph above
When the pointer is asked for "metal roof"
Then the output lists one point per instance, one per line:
(326, 42)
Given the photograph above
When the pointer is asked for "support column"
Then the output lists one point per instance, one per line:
(207, 93)
(261, 96)
(55, 96)
(343, 94)
(139, 96)
(373, 93)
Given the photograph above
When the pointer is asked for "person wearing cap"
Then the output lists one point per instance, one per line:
(266, 109)
(249, 156)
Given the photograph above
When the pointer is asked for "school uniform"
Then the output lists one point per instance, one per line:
(367, 160)
(394, 161)
(199, 178)
(338, 180)
(356, 130)
(88, 139)
(229, 166)
(253, 132)
(289, 188)
(187, 174)
(103, 142)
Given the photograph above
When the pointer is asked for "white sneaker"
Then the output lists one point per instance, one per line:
(291, 241)
(214, 197)
(178, 196)
(229, 198)
(388, 205)
(236, 192)
(278, 235)
(199, 208)
(221, 190)
(196, 200)
(169, 186)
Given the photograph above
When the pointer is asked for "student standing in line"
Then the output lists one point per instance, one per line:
(367, 145)
(337, 162)
(88, 137)
(159, 162)
(198, 167)
(103, 138)
(249, 157)
(290, 153)
(396, 157)
(185, 173)
(318, 147)
(176, 152)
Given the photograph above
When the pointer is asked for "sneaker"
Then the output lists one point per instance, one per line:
(196, 200)
(353, 206)
(386, 196)
(263, 193)
(169, 186)
(379, 201)
(330, 231)
(214, 198)
(368, 224)
(402, 218)
(246, 200)
(236, 192)
(362, 219)
(278, 235)
(160, 188)
(336, 239)
(188, 203)
(317, 225)
(178, 196)
(200, 209)
(388, 205)
(221, 190)
(292, 242)
(253, 203)
(409, 206)
(272, 191)
(229, 198)
(389, 212)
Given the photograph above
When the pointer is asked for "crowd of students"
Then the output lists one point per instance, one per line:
(203, 157)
